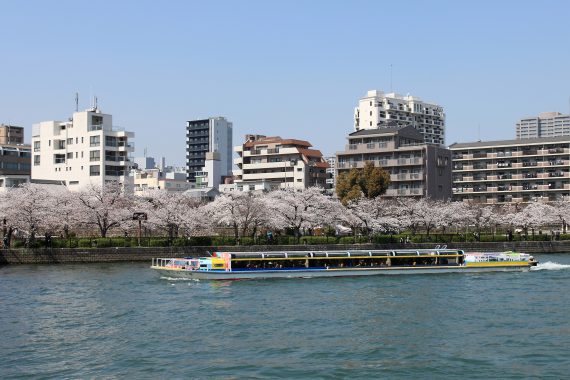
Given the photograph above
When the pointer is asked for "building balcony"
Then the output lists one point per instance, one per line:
(410, 192)
(270, 176)
(409, 161)
(114, 160)
(406, 177)
(268, 165)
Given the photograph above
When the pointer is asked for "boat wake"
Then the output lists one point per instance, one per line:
(549, 265)
(178, 278)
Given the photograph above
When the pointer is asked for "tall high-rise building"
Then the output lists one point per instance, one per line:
(87, 149)
(208, 135)
(546, 124)
(380, 110)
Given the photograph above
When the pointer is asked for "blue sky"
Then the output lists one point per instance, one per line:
(289, 68)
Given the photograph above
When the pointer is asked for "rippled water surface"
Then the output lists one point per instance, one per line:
(125, 321)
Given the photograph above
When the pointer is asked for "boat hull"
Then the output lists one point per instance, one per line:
(336, 272)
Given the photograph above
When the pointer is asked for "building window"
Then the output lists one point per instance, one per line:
(59, 158)
(94, 140)
(69, 155)
(94, 170)
(95, 155)
(36, 146)
(70, 141)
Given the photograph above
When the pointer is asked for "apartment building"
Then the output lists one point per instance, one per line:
(278, 163)
(15, 163)
(86, 149)
(546, 124)
(10, 134)
(380, 110)
(512, 171)
(331, 173)
(417, 169)
(156, 179)
(208, 135)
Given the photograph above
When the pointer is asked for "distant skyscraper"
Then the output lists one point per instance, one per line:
(380, 110)
(144, 163)
(208, 135)
(546, 124)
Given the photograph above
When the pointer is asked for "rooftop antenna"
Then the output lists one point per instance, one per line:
(145, 152)
(95, 100)
(478, 131)
(76, 102)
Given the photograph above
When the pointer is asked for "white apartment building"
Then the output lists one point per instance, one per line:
(208, 135)
(546, 124)
(331, 172)
(278, 163)
(380, 110)
(86, 149)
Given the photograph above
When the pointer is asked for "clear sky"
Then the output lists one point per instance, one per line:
(289, 68)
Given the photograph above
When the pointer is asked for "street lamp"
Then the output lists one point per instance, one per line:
(140, 216)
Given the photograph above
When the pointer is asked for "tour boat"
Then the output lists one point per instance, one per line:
(297, 264)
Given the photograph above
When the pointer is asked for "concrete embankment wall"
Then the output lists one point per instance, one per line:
(102, 255)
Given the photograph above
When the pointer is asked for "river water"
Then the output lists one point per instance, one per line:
(125, 321)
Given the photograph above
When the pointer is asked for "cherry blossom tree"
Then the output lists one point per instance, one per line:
(170, 211)
(561, 210)
(406, 210)
(428, 213)
(105, 207)
(242, 211)
(479, 217)
(308, 208)
(25, 209)
(62, 210)
(533, 216)
(452, 214)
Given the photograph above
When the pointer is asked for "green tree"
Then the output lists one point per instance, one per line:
(370, 182)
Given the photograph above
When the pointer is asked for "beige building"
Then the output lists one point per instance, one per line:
(155, 179)
(416, 168)
(10, 134)
(86, 149)
(510, 171)
(278, 163)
